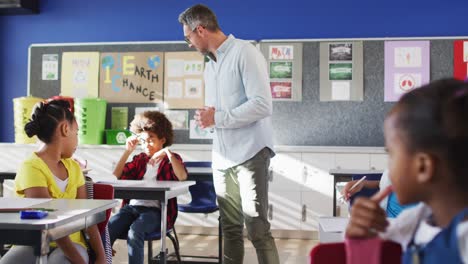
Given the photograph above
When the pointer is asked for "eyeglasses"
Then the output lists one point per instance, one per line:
(186, 38)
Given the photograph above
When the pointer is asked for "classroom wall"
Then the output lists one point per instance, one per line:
(151, 20)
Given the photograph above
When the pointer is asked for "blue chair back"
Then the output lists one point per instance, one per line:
(203, 193)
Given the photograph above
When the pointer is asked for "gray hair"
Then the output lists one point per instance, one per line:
(199, 15)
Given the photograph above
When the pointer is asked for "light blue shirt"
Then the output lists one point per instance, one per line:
(237, 85)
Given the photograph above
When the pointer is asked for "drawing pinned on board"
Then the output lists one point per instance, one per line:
(178, 118)
(281, 90)
(174, 89)
(193, 67)
(283, 52)
(408, 57)
(281, 70)
(175, 68)
(80, 72)
(406, 67)
(340, 52)
(193, 88)
(340, 71)
(406, 82)
(49, 67)
(340, 91)
(197, 132)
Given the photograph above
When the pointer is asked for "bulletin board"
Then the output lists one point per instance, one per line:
(308, 122)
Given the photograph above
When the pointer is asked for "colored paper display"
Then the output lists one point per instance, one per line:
(341, 71)
(183, 83)
(131, 77)
(80, 72)
(460, 59)
(406, 67)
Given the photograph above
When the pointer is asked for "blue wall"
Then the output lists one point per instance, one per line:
(152, 20)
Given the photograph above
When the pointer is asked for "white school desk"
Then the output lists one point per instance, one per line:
(340, 175)
(152, 190)
(72, 215)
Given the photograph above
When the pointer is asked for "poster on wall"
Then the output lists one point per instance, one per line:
(49, 67)
(284, 62)
(341, 71)
(80, 72)
(178, 118)
(183, 82)
(406, 67)
(460, 59)
(131, 77)
(197, 132)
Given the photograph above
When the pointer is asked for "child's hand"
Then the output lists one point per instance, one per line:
(367, 217)
(347, 193)
(132, 143)
(158, 156)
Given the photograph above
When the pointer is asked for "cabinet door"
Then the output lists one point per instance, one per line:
(284, 210)
(314, 204)
(378, 161)
(352, 161)
(285, 172)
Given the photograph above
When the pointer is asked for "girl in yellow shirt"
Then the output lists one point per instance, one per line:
(51, 173)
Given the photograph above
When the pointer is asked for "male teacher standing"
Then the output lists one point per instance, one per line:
(238, 106)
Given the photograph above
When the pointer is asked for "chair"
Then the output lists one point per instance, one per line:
(335, 253)
(102, 192)
(203, 201)
(157, 236)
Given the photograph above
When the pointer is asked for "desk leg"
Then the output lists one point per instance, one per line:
(162, 255)
(41, 259)
(334, 195)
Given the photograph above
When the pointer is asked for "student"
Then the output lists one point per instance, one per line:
(390, 204)
(52, 173)
(426, 134)
(140, 217)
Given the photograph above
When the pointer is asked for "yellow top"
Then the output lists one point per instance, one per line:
(34, 172)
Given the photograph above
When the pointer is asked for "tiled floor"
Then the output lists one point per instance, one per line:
(291, 251)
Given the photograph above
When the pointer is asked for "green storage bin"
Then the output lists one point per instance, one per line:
(117, 136)
(90, 113)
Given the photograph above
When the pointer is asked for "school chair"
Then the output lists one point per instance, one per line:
(102, 192)
(335, 253)
(203, 201)
(153, 236)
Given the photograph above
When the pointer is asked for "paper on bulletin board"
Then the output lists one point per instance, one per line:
(140, 110)
(131, 77)
(406, 67)
(178, 118)
(197, 132)
(49, 67)
(341, 71)
(460, 59)
(183, 85)
(80, 72)
(284, 62)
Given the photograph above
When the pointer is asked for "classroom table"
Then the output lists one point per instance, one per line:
(5, 175)
(72, 215)
(152, 190)
(343, 175)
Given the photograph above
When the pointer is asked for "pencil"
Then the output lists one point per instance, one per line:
(357, 183)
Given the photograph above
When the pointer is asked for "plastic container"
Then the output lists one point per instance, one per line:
(117, 136)
(90, 113)
(22, 109)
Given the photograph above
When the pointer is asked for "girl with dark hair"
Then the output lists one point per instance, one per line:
(426, 135)
(52, 173)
